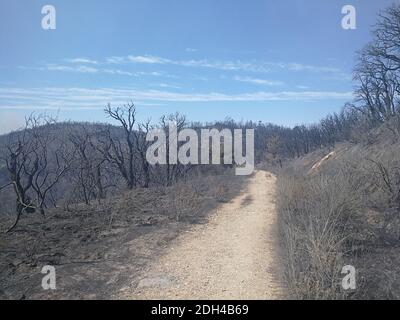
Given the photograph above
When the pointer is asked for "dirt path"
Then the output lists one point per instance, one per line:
(230, 257)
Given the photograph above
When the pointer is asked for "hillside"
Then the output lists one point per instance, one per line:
(100, 249)
(340, 206)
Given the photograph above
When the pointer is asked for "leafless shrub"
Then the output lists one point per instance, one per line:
(387, 178)
(220, 192)
(184, 200)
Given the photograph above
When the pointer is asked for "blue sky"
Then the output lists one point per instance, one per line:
(286, 61)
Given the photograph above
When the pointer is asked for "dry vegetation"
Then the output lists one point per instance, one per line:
(340, 205)
(101, 205)
(100, 248)
(346, 211)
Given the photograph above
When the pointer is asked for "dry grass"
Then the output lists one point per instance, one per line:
(315, 216)
(346, 212)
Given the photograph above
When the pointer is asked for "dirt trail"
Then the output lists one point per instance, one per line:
(231, 257)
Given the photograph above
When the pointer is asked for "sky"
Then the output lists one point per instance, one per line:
(282, 61)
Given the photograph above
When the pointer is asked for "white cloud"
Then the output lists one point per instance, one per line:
(147, 59)
(89, 69)
(80, 65)
(303, 67)
(224, 65)
(233, 65)
(84, 98)
(79, 69)
(82, 60)
(258, 81)
(85, 69)
(166, 85)
(115, 60)
(119, 72)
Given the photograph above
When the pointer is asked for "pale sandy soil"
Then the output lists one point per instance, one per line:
(232, 256)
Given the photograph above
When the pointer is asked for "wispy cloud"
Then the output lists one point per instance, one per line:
(148, 59)
(118, 72)
(302, 87)
(199, 63)
(86, 98)
(233, 65)
(79, 69)
(108, 66)
(90, 70)
(115, 60)
(82, 61)
(225, 65)
(63, 68)
(304, 67)
(258, 81)
(167, 85)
